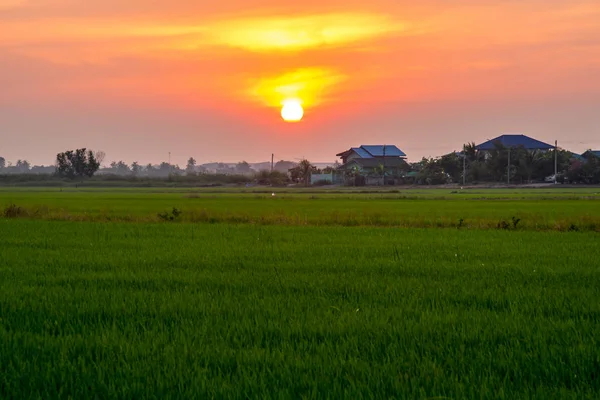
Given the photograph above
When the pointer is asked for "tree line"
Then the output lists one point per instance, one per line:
(501, 164)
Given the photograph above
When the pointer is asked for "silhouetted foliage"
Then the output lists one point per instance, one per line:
(76, 164)
(302, 172)
(190, 168)
(136, 168)
(525, 166)
(274, 178)
(243, 168)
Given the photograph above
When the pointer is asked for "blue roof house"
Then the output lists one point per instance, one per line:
(371, 152)
(376, 164)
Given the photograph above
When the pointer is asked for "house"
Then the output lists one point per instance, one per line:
(371, 152)
(512, 141)
(594, 152)
(368, 164)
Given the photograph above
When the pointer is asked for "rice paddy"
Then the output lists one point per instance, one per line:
(249, 295)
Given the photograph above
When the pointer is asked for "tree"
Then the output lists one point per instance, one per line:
(99, 156)
(76, 163)
(431, 172)
(2, 162)
(22, 166)
(303, 171)
(452, 164)
(190, 169)
(284, 166)
(120, 168)
(135, 168)
(243, 168)
(497, 162)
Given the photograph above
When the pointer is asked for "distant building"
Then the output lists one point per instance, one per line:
(368, 164)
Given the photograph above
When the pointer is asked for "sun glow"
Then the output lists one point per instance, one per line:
(292, 110)
(295, 90)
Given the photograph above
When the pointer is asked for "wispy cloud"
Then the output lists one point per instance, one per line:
(303, 32)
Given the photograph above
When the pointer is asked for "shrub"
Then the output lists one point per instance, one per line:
(14, 211)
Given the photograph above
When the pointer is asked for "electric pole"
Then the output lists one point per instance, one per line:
(464, 165)
(555, 160)
(508, 168)
(384, 165)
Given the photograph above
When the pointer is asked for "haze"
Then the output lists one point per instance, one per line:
(140, 79)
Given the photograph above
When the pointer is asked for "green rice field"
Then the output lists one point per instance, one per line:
(308, 294)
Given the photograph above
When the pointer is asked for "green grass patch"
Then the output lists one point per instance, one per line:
(162, 310)
(559, 210)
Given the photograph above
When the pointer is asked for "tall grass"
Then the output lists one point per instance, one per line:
(161, 310)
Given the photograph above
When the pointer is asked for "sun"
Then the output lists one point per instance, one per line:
(292, 111)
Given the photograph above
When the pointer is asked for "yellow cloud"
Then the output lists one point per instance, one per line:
(309, 85)
(297, 33)
(275, 33)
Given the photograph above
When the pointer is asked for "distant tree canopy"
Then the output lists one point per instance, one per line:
(284, 166)
(76, 163)
(493, 166)
(191, 166)
(135, 168)
(243, 168)
(302, 172)
(2, 162)
(119, 168)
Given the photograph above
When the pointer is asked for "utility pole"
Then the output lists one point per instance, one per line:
(384, 165)
(272, 159)
(508, 168)
(555, 160)
(464, 165)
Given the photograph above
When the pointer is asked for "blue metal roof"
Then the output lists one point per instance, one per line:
(378, 151)
(577, 157)
(361, 152)
(515, 141)
(595, 152)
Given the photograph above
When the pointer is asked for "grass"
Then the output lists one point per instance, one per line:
(561, 210)
(148, 309)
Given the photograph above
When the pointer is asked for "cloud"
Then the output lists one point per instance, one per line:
(309, 85)
(302, 32)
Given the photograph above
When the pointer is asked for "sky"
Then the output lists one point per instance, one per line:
(140, 79)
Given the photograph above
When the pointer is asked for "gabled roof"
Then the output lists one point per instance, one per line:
(370, 151)
(595, 152)
(515, 141)
(361, 152)
(577, 157)
(387, 150)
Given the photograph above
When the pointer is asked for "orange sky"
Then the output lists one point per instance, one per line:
(138, 79)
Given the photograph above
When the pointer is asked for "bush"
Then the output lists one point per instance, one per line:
(14, 211)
